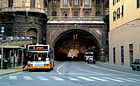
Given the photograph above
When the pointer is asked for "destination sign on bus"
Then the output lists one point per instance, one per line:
(38, 48)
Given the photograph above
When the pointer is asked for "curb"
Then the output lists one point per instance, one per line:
(6, 73)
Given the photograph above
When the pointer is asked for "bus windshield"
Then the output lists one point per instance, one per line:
(37, 57)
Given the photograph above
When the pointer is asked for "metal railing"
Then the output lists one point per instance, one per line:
(77, 18)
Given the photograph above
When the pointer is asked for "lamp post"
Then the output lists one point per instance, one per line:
(2, 31)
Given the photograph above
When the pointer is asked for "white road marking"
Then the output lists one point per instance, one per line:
(42, 78)
(112, 79)
(59, 68)
(113, 70)
(98, 79)
(124, 79)
(73, 79)
(57, 78)
(27, 78)
(13, 77)
(88, 71)
(84, 78)
(133, 79)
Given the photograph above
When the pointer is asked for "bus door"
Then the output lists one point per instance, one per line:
(35, 57)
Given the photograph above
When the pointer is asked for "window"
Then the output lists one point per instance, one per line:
(138, 3)
(86, 13)
(97, 13)
(86, 2)
(45, 4)
(10, 3)
(114, 2)
(32, 3)
(122, 55)
(75, 13)
(118, 13)
(65, 2)
(75, 2)
(53, 13)
(122, 10)
(97, 2)
(65, 13)
(53, 2)
(118, 0)
(114, 15)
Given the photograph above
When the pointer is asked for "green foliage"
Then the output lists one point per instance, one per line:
(103, 58)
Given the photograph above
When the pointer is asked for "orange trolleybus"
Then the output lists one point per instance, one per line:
(40, 57)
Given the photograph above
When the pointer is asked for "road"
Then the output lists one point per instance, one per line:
(72, 73)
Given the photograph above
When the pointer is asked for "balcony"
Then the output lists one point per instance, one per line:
(16, 41)
(22, 9)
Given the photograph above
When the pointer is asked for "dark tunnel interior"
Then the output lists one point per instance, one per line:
(75, 39)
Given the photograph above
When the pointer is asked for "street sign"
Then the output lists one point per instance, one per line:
(2, 29)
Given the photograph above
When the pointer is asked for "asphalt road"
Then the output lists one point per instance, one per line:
(72, 73)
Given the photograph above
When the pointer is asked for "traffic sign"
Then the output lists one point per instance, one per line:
(2, 29)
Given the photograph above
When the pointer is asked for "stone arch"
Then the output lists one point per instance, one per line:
(62, 32)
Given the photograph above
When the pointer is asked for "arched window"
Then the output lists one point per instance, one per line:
(65, 13)
(53, 13)
(75, 13)
(97, 13)
(32, 32)
(86, 13)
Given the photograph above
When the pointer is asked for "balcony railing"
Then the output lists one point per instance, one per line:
(28, 9)
(76, 19)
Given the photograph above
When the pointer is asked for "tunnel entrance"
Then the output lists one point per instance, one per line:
(75, 39)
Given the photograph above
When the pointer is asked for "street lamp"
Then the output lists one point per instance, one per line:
(2, 31)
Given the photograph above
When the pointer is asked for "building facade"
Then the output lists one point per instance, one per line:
(76, 18)
(124, 43)
(21, 18)
(24, 18)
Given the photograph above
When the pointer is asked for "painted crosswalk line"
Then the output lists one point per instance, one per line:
(57, 78)
(71, 78)
(27, 78)
(13, 77)
(42, 78)
(84, 78)
(75, 78)
(125, 79)
(100, 79)
(113, 79)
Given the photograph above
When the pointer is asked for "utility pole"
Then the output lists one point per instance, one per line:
(2, 31)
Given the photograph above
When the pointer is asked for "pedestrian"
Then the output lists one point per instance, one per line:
(24, 63)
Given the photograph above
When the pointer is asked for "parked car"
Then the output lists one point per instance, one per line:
(136, 64)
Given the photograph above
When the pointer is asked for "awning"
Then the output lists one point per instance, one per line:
(12, 47)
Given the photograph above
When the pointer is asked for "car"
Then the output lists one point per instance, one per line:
(136, 64)
(91, 60)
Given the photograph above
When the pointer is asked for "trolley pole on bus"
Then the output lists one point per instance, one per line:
(2, 31)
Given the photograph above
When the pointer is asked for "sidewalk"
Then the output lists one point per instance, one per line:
(10, 70)
(114, 65)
